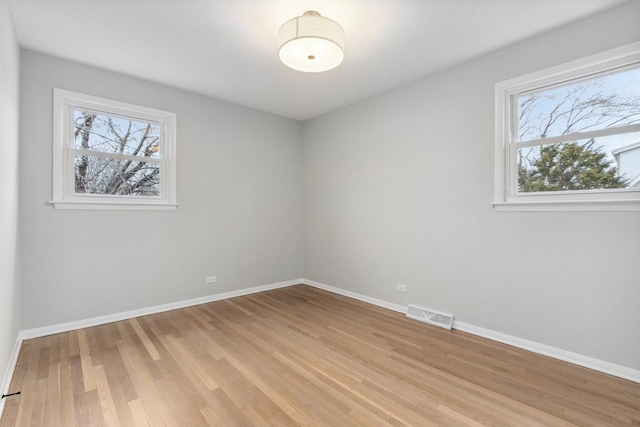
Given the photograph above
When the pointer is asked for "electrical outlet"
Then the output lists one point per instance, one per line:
(401, 288)
(210, 279)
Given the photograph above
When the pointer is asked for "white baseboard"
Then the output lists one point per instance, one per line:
(101, 320)
(535, 347)
(554, 352)
(8, 375)
(359, 297)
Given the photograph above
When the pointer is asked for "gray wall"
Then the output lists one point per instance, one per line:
(397, 189)
(9, 261)
(239, 190)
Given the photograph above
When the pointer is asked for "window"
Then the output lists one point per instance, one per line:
(568, 138)
(112, 155)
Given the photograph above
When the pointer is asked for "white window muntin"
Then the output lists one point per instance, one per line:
(507, 134)
(64, 196)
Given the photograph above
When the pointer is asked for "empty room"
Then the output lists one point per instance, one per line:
(320, 213)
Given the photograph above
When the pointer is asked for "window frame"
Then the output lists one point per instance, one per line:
(506, 197)
(64, 196)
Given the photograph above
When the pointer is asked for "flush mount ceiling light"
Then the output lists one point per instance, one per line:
(311, 43)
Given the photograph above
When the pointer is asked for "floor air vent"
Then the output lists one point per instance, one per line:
(430, 316)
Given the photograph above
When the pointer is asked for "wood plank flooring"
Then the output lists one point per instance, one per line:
(300, 356)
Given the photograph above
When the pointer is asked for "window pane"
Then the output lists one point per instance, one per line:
(589, 164)
(106, 176)
(604, 102)
(113, 134)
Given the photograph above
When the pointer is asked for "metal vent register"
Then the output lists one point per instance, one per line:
(430, 316)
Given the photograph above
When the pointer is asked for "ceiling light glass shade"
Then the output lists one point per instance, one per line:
(311, 43)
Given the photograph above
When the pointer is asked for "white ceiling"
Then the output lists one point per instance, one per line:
(227, 49)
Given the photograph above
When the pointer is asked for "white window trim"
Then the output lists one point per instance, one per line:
(505, 196)
(63, 188)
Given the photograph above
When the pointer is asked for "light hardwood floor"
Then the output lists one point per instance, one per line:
(300, 356)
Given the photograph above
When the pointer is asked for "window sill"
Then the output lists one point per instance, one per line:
(568, 206)
(113, 206)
